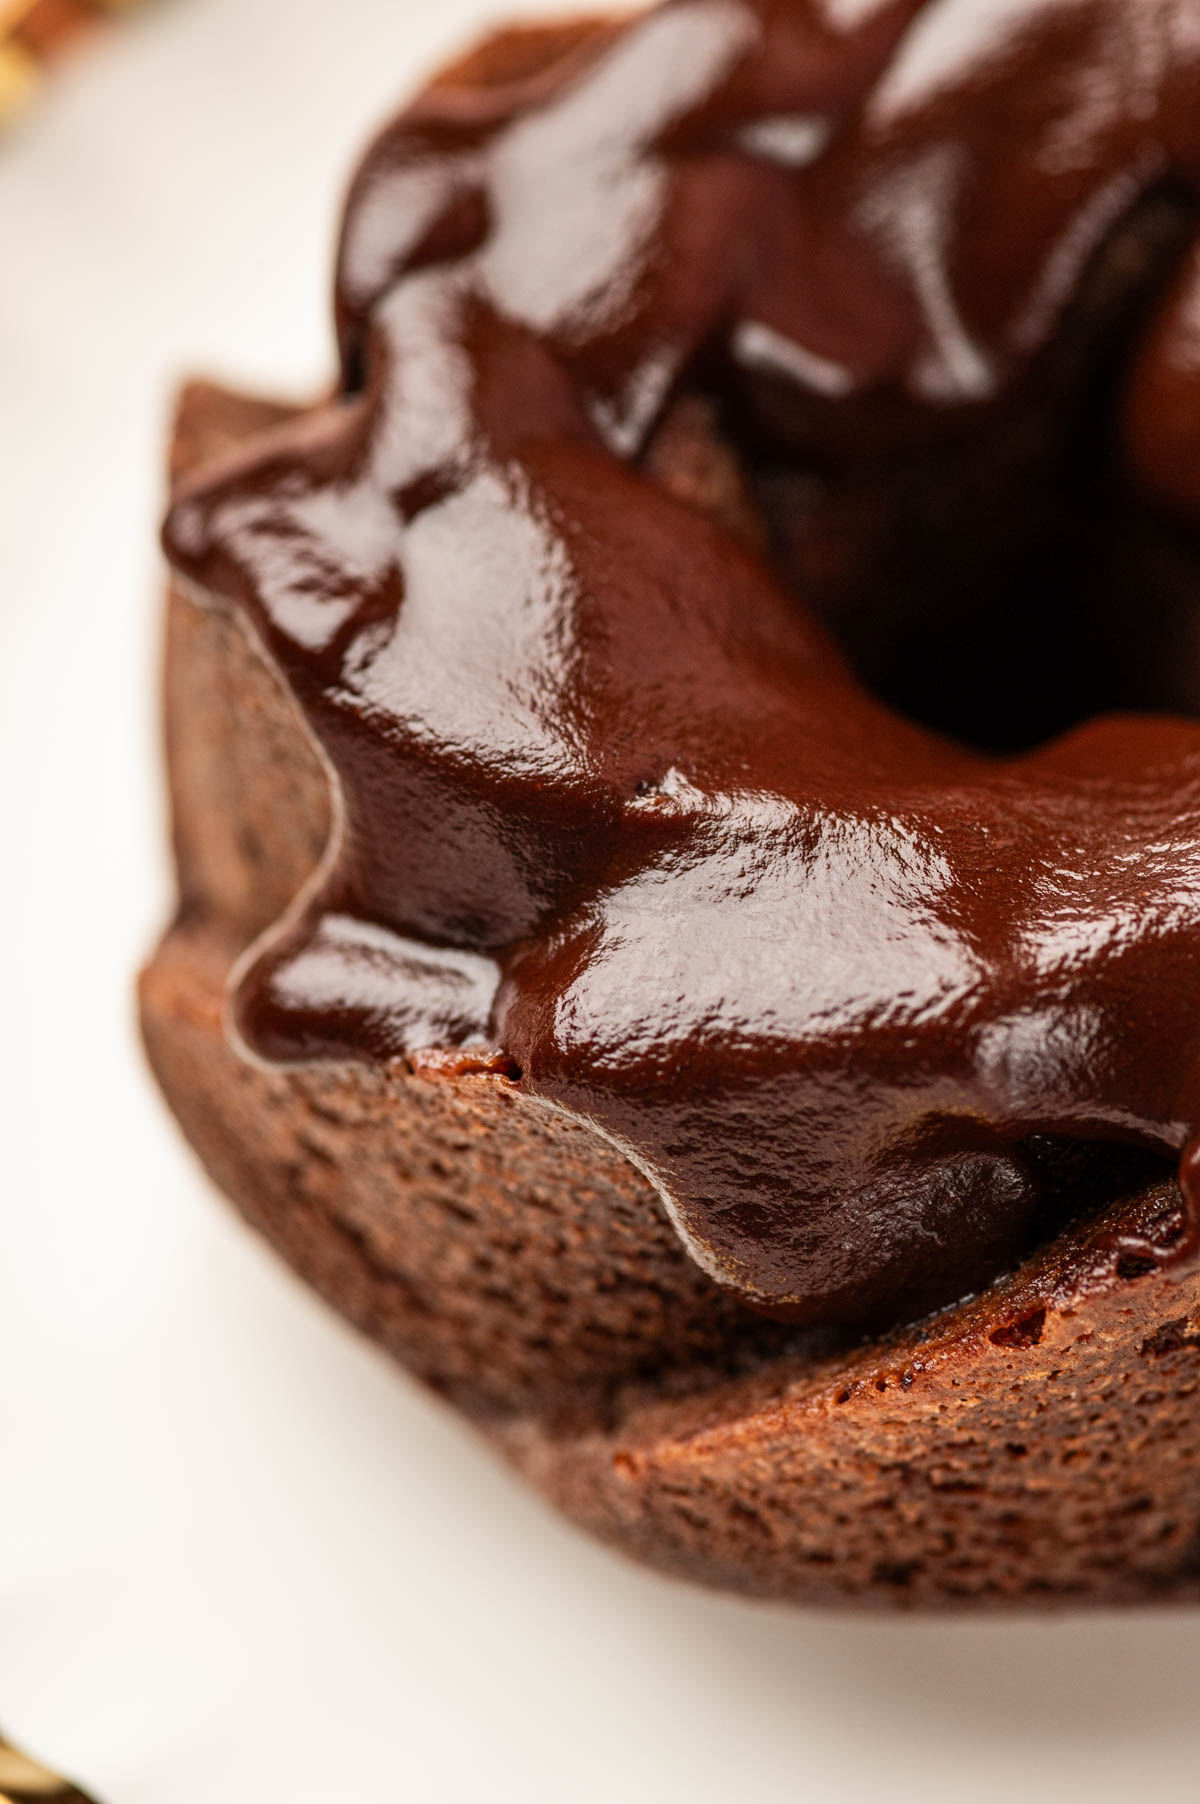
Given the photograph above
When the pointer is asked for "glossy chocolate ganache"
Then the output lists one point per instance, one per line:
(746, 594)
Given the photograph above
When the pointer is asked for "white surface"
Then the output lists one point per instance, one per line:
(242, 1559)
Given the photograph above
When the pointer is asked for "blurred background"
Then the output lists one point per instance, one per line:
(241, 1557)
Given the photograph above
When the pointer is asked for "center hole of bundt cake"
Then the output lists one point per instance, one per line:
(995, 575)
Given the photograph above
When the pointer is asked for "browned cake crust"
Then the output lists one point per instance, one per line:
(1037, 1444)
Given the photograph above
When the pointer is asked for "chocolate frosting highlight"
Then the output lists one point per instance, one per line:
(617, 814)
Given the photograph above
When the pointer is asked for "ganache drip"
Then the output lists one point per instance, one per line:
(615, 813)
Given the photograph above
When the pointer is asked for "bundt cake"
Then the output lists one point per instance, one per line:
(686, 787)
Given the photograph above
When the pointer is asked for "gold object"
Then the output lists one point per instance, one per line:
(20, 74)
(34, 34)
(25, 1781)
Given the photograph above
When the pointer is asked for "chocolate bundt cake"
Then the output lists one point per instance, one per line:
(686, 784)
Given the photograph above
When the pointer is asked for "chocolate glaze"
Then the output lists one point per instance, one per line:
(616, 816)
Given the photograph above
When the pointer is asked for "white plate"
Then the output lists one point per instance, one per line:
(242, 1559)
